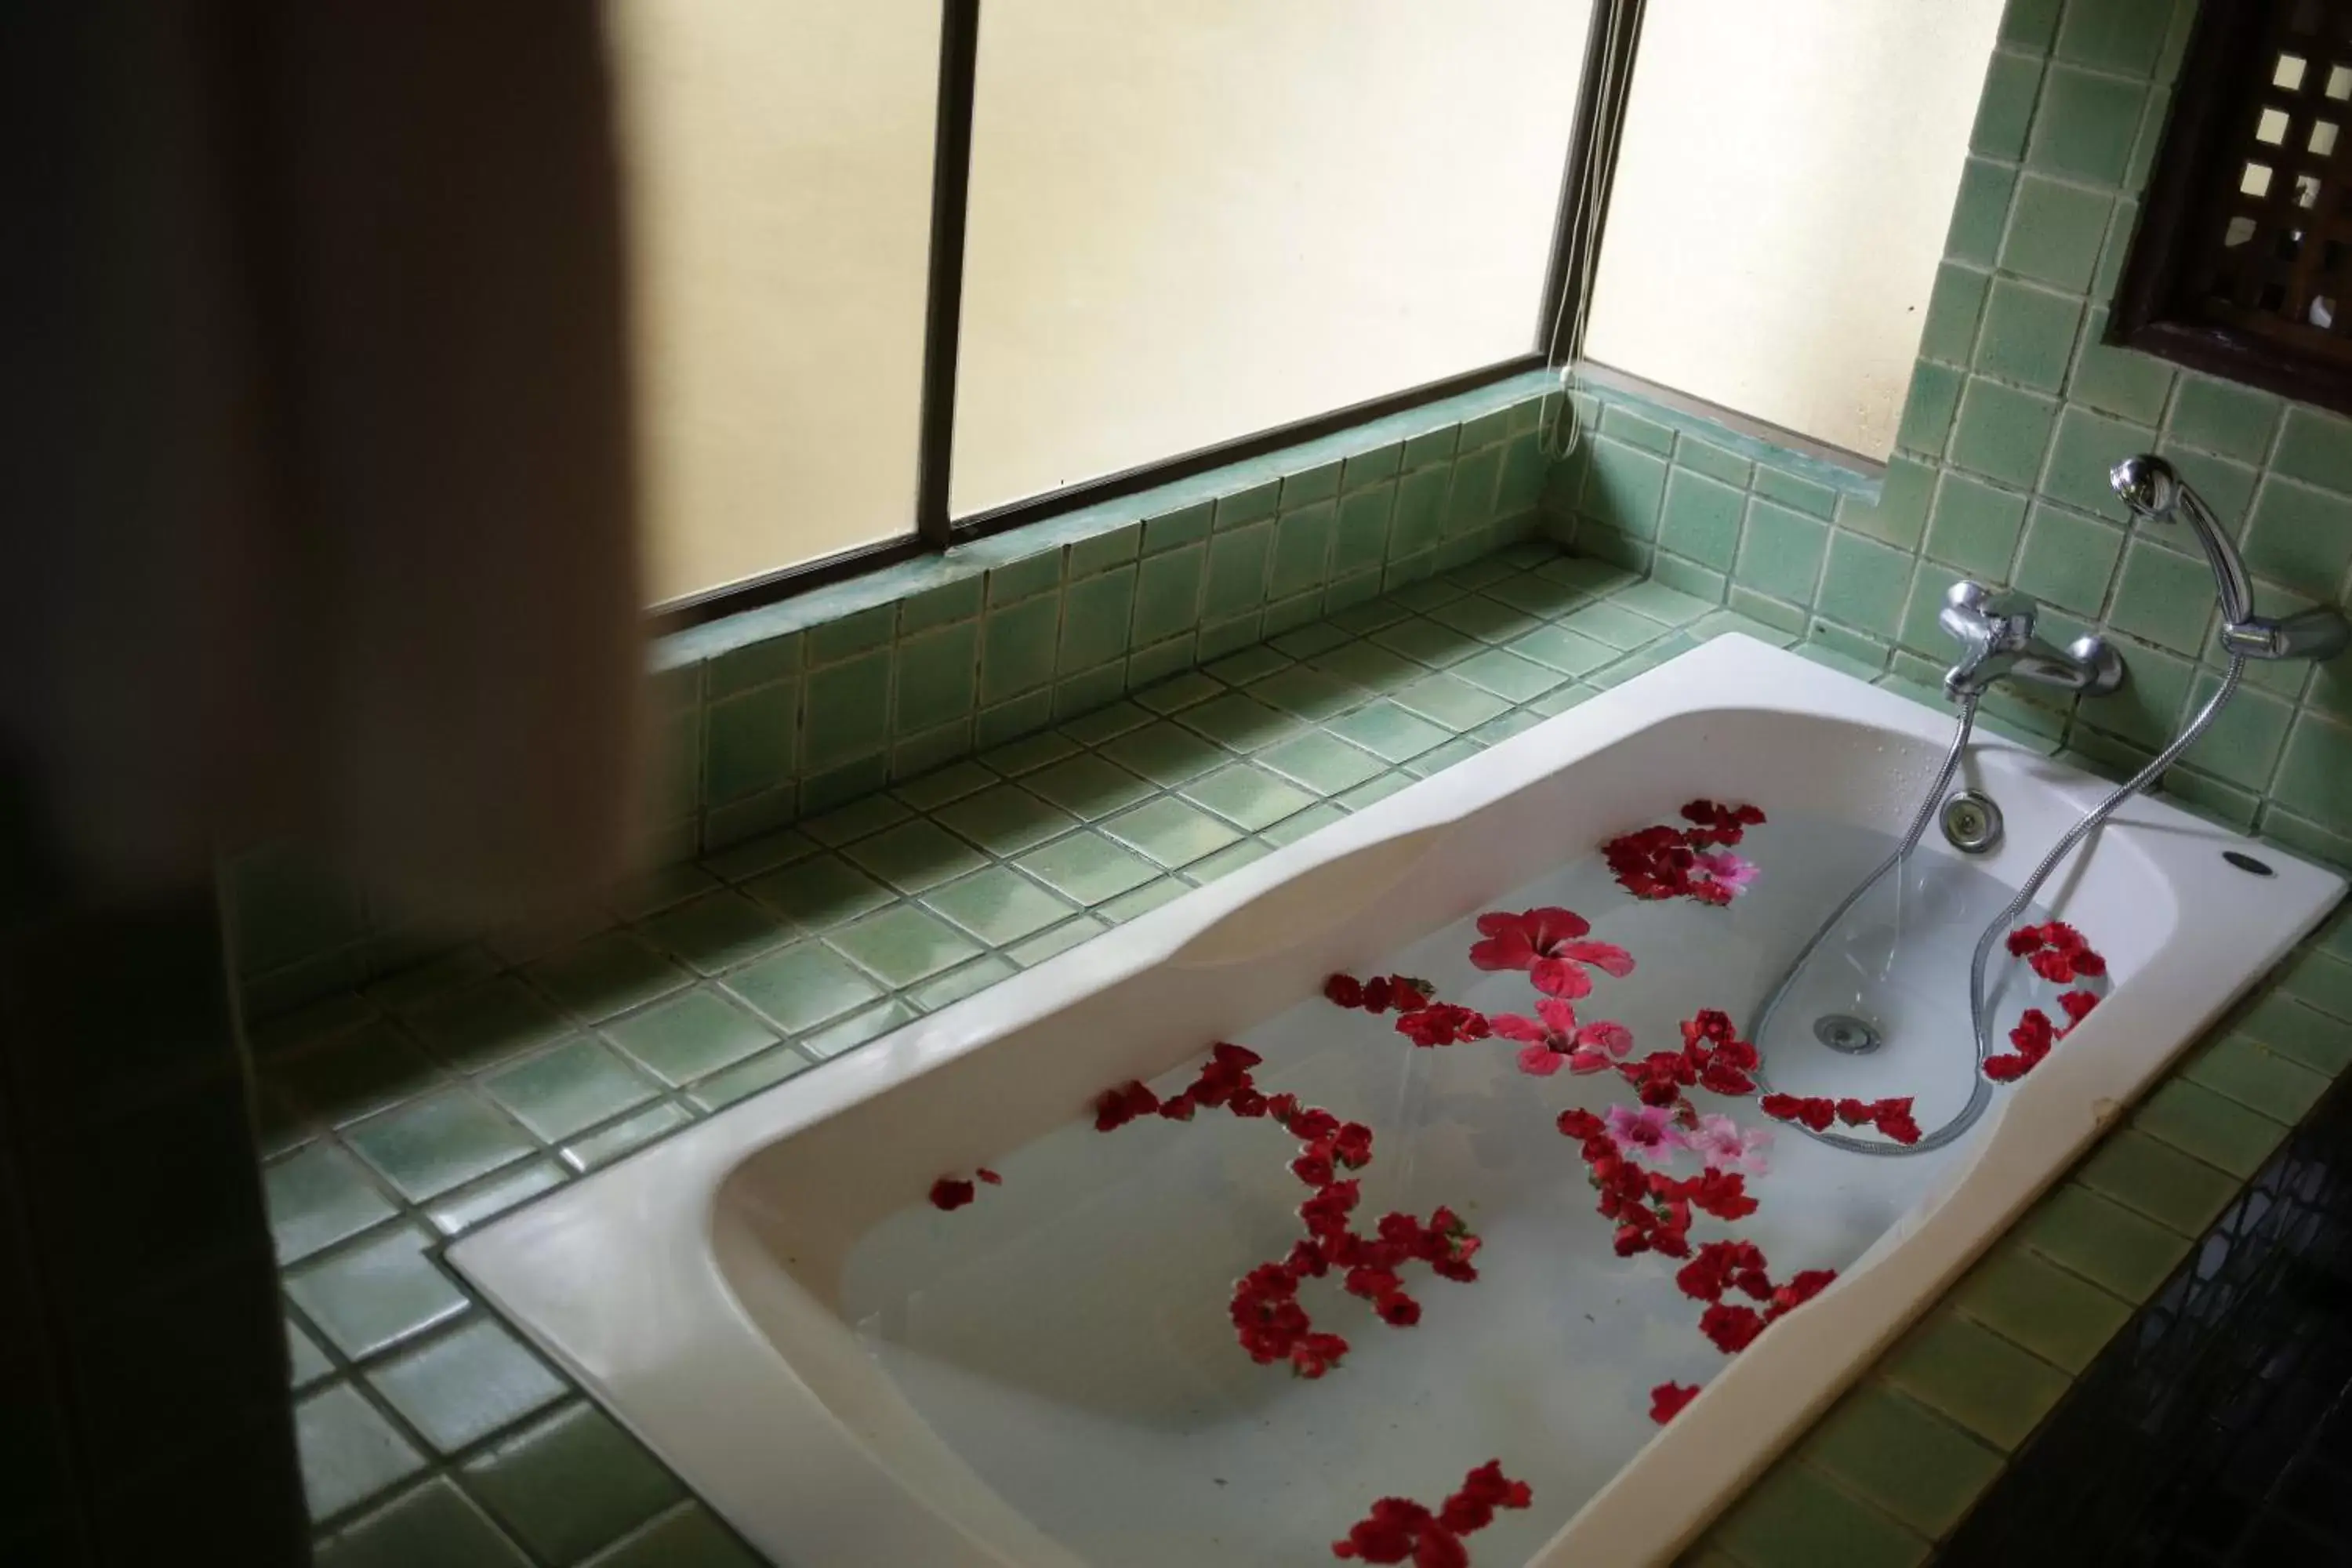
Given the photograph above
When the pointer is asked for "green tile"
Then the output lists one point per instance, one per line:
(2029, 1301)
(1016, 647)
(1571, 653)
(435, 1523)
(1368, 665)
(2054, 233)
(442, 1141)
(571, 1484)
(1237, 571)
(1165, 753)
(1979, 212)
(1254, 798)
(749, 1076)
(914, 856)
(608, 974)
(689, 1537)
(1006, 820)
(1168, 594)
(1625, 425)
(1506, 674)
(348, 1452)
(2068, 561)
(1086, 867)
(690, 1037)
(569, 1089)
(2006, 108)
(802, 986)
(2029, 335)
(1488, 620)
(1864, 583)
(2030, 23)
(1900, 515)
(1050, 943)
(1623, 488)
(1702, 519)
(715, 932)
(1239, 722)
(2103, 1241)
(2240, 1068)
(1974, 1378)
(1470, 504)
(1184, 692)
(1019, 579)
(1243, 508)
(1322, 762)
(2300, 1033)
(2321, 982)
(317, 1197)
(2163, 597)
(819, 893)
(1447, 700)
(1305, 693)
(1426, 641)
(956, 601)
(1170, 832)
(375, 1293)
(2301, 538)
(1919, 1468)
(1432, 446)
(2147, 710)
(1975, 526)
(1927, 408)
(848, 711)
(464, 1385)
(1088, 786)
(482, 1024)
(2113, 35)
(1780, 553)
(485, 1200)
(2223, 417)
(1605, 623)
(306, 1362)
(1142, 900)
(2228, 486)
(609, 1143)
(2245, 740)
(1418, 520)
(904, 944)
(2086, 126)
(2117, 380)
(1794, 1518)
(751, 742)
(1361, 535)
(998, 906)
(1105, 550)
(2311, 779)
(1954, 307)
(1371, 468)
(958, 984)
(848, 636)
(765, 853)
(1309, 486)
(1186, 525)
(2316, 448)
(939, 677)
(1095, 621)
(2198, 1121)
(2001, 432)
(1247, 665)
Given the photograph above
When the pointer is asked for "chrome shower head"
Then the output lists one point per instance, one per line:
(2149, 485)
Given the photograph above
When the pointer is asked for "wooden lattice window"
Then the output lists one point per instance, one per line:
(2242, 264)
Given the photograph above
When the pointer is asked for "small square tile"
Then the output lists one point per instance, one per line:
(1955, 307)
(2085, 452)
(1979, 212)
(749, 1076)
(483, 1023)
(615, 1139)
(1302, 550)
(2316, 448)
(2068, 561)
(1781, 554)
(574, 1085)
(1168, 755)
(2244, 738)
(2311, 778)
(803, 986)
(999, 906)
(1975, 526)
(1324, 763)
(2086, 126)
(2103, 1241)
(1793, 1519)
(1571, 653)
(903, 945)
(484, 1200)
(1625, 487)
(2002, 432)
(2225, 418)
(2111, 35)
(570, 1483)
(1088, 786)
(1086, 867)
(1006, 820)
(376, 1292)
(317, 1197)
(1974, 1378)
(1455, 703)
(1237, 571)
(1305, 693)
(915, 855)
(2301, 538)
(2118, 380)
(2300, 1033)
(2055, 234)
(939, 677)
(715, 931)
(2200, 1122)
(1095, 617)
(1917, 1467)
(2240, 1068)
(687, 1537)
(1017, 648)
(462, 1386)
(848, 711)
(690, 1037)
(1186, 525)
(2006, 108)
(2029, 335)
(1168, 594)
(348, 1450)
(1425, 642)
(1251, 796)
(1389, 732)
(433, 1523)
(1239, 722)
(429, 1145)
(2064, 1320)
(1864, 583)
(1170, 832)
(752, 741)
(607, 974)
(1506, 674)
(1605, 623)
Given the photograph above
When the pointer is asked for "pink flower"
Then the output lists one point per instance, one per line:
(1730, 869)
(1647, 1133)
(1718, 1141)
(1544, 943)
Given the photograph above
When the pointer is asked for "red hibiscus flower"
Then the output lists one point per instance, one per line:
(1442, 1023)
(1399, 1529)
(1115, 1107)
(1731, 1328)
(2056, 951)
(1544, 943)
(1667, 1400)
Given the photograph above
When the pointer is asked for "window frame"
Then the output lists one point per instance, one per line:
(1554, 341)
(2213, 83)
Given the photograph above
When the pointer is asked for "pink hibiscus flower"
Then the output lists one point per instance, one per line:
(1554, 1039)
(1646, 1133)
(1544, 943)
(1718, 1141)
(1730, 869)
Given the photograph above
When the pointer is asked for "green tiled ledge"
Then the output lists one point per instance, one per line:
(432, 1099)
(798, 708)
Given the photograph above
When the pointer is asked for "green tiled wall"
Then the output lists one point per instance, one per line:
(791, 710)
(2015, 411)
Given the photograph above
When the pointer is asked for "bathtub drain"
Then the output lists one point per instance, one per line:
(1843, 1032)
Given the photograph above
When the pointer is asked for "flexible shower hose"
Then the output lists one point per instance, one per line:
(1980, 1020)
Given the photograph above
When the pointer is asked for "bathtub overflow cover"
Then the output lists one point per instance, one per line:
(1972, 822)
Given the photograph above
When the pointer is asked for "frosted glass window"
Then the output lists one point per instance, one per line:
(1193, 222)
(1785, 181)
(777, 155)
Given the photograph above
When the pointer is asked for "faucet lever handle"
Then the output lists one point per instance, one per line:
(1992, 604)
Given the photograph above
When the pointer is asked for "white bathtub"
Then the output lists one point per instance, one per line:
(697, 1289)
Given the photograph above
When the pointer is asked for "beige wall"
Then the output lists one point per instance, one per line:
(778, 155)
(1786, 178)
(1193, 221)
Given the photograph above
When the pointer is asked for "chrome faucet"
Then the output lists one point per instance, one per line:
(2156, 492)
(1995, 628)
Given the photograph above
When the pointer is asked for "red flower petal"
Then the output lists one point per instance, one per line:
(1667, 1400)
(950, 1193)
(990, 1177)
